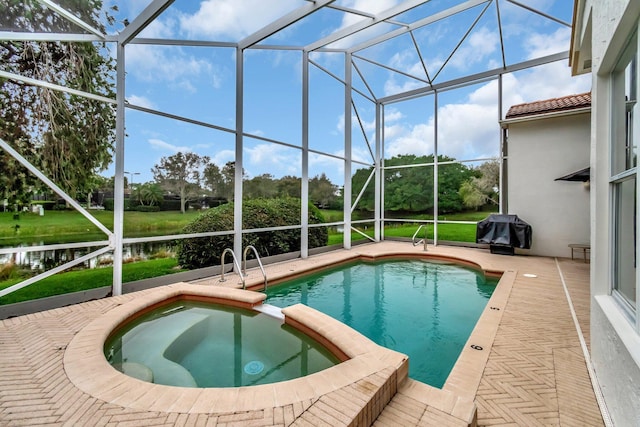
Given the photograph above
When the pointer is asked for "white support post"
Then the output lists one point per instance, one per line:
(381, 123)
(347, 153)
(237, 192)
(118, 190)
(378, 199)
(435, 173)
(502, 190)
(304, 179)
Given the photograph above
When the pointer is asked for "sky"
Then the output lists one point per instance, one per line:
(199, 83)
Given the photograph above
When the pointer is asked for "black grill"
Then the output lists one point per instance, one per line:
(503, 233)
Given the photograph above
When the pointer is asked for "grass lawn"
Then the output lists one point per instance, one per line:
(80, 280)
(71, 226)
(68, 226)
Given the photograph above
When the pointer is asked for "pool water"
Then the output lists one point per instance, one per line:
(423, 309)
(194, 344)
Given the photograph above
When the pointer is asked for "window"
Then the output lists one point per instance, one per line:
(623, 179)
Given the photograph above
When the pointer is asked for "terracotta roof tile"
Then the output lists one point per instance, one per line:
(564, 103)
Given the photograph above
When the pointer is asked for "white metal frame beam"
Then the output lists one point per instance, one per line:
(421, 23)
(476, 78)
(72, 18)
(52, 37)
(141, 21)
(281, 23)
(365, 23)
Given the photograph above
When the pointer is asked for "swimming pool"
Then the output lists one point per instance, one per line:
(198, 344)
(421, 308)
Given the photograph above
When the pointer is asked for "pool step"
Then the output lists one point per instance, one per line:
(147, 348)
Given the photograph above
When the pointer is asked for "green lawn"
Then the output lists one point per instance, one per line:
(71, 226)
(67, 226)
(80, 280)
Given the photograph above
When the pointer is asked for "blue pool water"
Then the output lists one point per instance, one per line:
(195, 344)
(423, 309)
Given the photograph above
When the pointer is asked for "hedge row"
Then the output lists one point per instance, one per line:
(257, 213)
(134, 205)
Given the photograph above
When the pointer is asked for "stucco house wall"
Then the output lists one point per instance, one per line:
(539, 151)
(601, 31)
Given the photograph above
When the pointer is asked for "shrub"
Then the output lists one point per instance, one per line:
(128, 204)
(257, 213)
(171, 205)
(144, 208)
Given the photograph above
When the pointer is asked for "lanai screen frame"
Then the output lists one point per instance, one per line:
(128, 36)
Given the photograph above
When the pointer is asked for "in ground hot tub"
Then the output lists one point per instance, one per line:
(198, 344)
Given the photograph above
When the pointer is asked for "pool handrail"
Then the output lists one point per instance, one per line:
(244, 263)
(235, 262)
(413, 239)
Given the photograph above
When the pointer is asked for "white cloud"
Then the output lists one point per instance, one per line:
(480, 44)
(221, 157)
(469, 129)
(271, 158)
(340, 124)
(476, 49)
(392, 115)
(546, 81)
(539, 45)
(349, 19)
(159, 28)
(332, 167)
(141, 101)
(158, 144)
(391, 87)
(369, 126)
(394, 131)
(402, 139)
(366, 6)
(233, 19)
(165, 63)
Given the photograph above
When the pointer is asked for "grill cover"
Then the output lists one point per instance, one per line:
(504, 230)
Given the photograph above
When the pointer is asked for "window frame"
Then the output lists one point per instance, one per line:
(624, 155)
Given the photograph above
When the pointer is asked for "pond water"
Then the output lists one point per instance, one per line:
(45, 260)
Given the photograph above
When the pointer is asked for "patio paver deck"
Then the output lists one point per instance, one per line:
(535, 373)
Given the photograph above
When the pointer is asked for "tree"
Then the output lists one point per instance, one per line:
(180, 173)
(483, 188)
(68, 137)
(228, 172)
(410, 188)
(213, 180)
(359, 178)
(289, 186)
(261, 186)
(322, 192)
(148, 194)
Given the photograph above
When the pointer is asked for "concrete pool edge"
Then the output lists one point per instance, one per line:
(458, 394)
(466, 374)
(374, 368)
(365, 395)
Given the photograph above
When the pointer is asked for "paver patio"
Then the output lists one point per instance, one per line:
(535, 371)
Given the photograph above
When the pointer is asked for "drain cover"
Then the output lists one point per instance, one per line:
(254, 367)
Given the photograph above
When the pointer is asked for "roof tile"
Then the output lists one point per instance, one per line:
(552, 105)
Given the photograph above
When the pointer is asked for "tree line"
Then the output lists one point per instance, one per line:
(408, 183)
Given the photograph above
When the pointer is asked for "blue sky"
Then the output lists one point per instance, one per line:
(199, 82)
